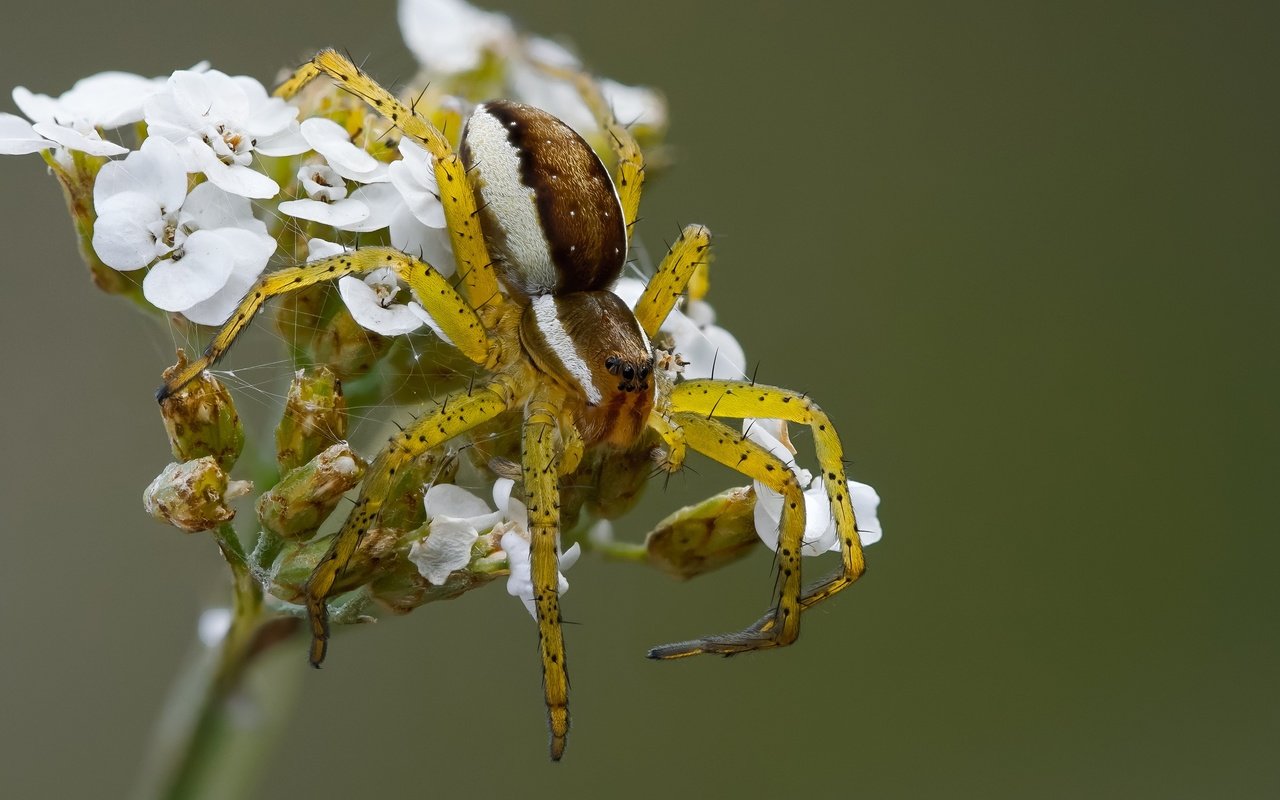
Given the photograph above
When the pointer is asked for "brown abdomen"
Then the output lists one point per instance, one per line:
(548, 207)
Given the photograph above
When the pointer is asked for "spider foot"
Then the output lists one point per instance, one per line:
(764, 634)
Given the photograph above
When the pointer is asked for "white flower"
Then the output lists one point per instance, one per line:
(456, 519)
(218, 122)
(450, 36)
(820, 534)
(326, 201)
(205, 249)
(371, 301)
(71, 120)
(709, 350)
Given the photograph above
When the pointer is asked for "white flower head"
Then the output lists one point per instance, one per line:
(72, 120)
(326, 201)
(205, 249)
(218, 122)
(451, 36)
(820, 535)
(372, 302)
(457, 518)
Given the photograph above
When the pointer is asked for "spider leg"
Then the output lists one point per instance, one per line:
(459, 413)
(669, 282)
(731, 448)
(573, 448)
(673, 436)
(542, 496)
(475, 267)
(707, 397)
(629, 178)
(454, 315)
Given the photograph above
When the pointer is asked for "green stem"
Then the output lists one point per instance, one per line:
(203, 748)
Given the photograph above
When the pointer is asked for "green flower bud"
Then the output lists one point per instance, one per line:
(201, 420)
(297, 560)
(315, 417)
(706, 536)
(193, 496)
(305, 496)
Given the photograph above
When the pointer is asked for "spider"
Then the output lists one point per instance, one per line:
(540, 232)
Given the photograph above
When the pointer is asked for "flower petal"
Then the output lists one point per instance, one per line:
(122, 234)
(415, 178)
(446, 548)
(232, 178)
(251, 252)
(450, 35)
(72, 139)
(155, 170)
(204, 268)
(447, 499)
(340, 214)
(110, 99)
(331, 140)
(363, 304)
(866, 503)
(18, 138)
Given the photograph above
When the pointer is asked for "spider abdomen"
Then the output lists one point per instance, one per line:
(548, 208)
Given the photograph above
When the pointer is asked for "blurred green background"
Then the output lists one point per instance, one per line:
(1025, 254)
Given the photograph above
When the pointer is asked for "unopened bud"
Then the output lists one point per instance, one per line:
(201, 420)
(315, 417)
(302, 500)
(706, 536)
(193, 496)
(298, 560)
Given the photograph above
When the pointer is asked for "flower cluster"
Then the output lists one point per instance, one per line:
(195, 183)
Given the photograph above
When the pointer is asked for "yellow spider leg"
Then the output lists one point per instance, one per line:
(455, 317)
(479, 281)
(738, 399)
(673, 436)
(677, 267)
(542, 495)
(734, 450)
(573, 447)
(630, 173)
(459, 413)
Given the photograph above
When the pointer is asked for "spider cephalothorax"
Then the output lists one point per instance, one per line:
(539, 232)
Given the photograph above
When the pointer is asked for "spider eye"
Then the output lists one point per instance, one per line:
(644, 372)
(611, 364)
(628, 372)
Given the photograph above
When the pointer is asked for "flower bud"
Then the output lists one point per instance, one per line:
(706, 536)
(315, 417)
(298, 560)
(201, 420)
(193, 496)
(302, 500)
